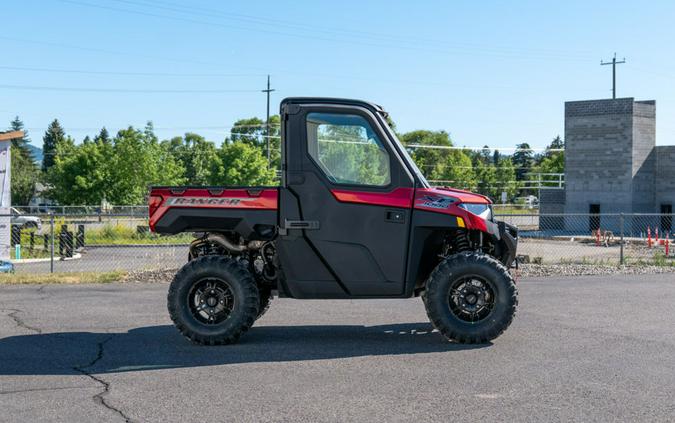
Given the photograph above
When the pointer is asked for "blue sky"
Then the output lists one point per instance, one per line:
(494, 73)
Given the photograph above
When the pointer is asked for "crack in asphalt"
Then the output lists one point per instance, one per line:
(99, 397)
(44, 294)
(14, 315)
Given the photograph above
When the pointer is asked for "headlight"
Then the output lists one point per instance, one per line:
(482, 210)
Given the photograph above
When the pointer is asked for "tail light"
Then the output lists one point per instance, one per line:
(154, 203)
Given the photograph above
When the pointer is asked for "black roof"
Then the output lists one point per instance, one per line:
(333, 100)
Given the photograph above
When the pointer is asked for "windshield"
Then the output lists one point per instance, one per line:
(406, 156)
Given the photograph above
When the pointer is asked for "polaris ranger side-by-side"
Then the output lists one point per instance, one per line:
(352, 218)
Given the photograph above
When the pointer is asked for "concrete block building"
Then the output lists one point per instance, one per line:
(612, 164)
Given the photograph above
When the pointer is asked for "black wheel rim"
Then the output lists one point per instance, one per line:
(471, 298)
(211, 301)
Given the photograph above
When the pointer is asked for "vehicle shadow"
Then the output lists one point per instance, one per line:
(162, 347)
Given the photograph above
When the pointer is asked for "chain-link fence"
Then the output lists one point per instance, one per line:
(83, 243)
(594, 238)
(107, 242)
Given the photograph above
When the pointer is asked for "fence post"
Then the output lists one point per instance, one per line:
(622, 259)
(51, 250)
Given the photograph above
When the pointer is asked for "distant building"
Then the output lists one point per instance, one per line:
(612, 165)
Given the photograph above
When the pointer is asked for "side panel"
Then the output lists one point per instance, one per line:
(252, 212)
(251, 224)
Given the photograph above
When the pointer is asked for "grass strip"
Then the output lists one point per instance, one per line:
(61, 278)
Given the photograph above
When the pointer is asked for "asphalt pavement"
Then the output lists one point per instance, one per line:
(580, 349)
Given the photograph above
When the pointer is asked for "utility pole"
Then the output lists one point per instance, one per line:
(267, 122)
(613, 63)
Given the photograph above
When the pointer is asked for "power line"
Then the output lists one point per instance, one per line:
(397, 45)
(153, 74)
(405, 38)
(105, 51)
(122, 90)
(426, 82)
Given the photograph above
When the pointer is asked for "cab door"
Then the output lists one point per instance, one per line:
(353, 195)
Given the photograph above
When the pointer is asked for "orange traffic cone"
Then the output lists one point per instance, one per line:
(649, 237)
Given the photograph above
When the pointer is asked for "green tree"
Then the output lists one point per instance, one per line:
(486, 178)
(253, 131)
(24, 170)
(523, 160)
(103, 136)
(196, 155)
(53, 136)
(552, 161)
(447, 166)
(20, 144)
(241, 164)
(505, 175)
(118, 170)
(250, 131)
(80, 175)
(354, 151)
(138, 161)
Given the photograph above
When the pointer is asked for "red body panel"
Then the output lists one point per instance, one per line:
(437, 200)
(458, 194)
(446, 201)
(161, 199)
(398, 197)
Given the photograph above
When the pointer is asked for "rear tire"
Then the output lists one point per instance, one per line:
(213, 300)
(470, 298)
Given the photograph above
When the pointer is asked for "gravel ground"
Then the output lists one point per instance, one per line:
(534, 270)
(165, 275)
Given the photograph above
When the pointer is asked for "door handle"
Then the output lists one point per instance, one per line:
(394, 216)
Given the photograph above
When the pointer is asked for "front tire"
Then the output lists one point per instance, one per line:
(213, 300)
(470, 298)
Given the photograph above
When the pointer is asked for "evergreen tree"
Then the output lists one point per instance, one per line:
(20, 144)
(103, 136)
(24, 171)
(53, 135)
(523, 160)
(485, 154)
(496, 157)
(552, 162)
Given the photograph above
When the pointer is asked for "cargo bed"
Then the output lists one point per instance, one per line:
(249, 211)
